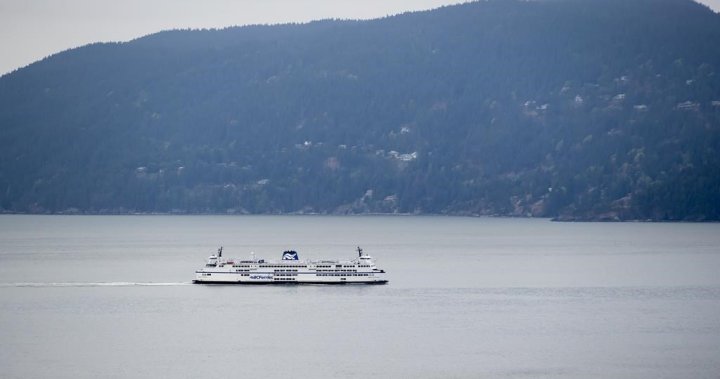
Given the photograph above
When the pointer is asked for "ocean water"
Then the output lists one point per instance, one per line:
(110, 296)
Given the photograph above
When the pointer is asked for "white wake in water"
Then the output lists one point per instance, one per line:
(94, 284)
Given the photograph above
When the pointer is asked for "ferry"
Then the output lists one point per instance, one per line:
(290, 270)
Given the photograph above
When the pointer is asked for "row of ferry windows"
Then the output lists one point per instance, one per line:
(285, 266)
(277, 271)
(348, 274)
(337, 270)
(242, 269)
(302, 266)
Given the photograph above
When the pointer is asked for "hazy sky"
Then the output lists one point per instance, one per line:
(33, 29)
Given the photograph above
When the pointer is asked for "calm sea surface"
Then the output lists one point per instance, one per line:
(109, 296)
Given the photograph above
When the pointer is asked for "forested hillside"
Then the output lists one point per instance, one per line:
(575, 109)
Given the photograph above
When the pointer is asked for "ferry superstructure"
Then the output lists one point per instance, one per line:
(290, 270)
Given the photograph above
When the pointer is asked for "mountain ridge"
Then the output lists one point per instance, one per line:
(569, 109)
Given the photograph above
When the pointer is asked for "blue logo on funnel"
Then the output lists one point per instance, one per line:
(290, 255)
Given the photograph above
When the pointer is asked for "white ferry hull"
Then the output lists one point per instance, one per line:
(290, 271)
(230, 279)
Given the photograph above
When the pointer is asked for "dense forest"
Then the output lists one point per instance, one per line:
(572, 109)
